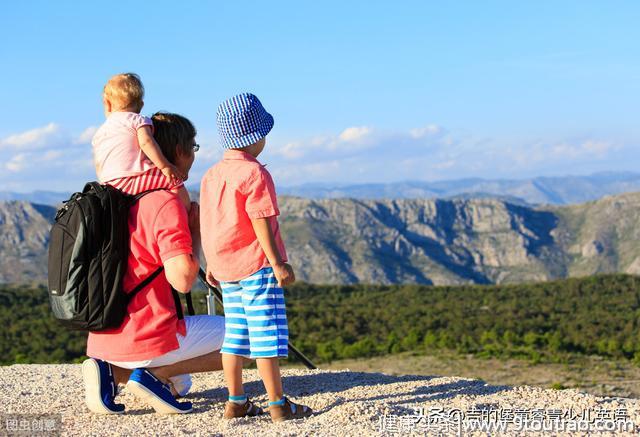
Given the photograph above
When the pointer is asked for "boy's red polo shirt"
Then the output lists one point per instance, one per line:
(159, 230)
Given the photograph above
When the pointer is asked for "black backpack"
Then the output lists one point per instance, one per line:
(88, 251)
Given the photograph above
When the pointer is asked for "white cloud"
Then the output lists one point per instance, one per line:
(429, 130)
(48, 157)
(33, 139)
(444, 165)
(599, 148)
(353, 141)
(318, 171)
(39, 161)
(355, 134)
(431, 152)
(17, 163)
(50, 136)
(51, 155)
(86, 135)
(563, 151)
(292, 150)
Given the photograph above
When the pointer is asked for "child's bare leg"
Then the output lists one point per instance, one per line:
(232, 366)
(269, 369)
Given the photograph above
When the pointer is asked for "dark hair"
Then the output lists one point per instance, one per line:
(173, 131)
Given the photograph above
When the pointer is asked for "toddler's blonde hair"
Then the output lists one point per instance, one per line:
(125, 92)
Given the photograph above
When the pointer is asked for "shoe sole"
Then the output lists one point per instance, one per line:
(91, 378)
(152, 399)
(284, 418)
(309, 413)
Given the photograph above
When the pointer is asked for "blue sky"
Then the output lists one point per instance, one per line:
(360, 91)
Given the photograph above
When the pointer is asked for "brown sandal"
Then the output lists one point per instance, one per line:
(288, 411)
(233, 410)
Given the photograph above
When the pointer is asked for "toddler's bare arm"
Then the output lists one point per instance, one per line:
(152, 150)
(282, 271)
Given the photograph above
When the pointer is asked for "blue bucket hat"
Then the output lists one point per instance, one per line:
(242, 121)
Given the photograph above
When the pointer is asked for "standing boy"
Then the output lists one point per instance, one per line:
(244, 251)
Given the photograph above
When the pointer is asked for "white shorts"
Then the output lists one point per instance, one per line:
(205, 334)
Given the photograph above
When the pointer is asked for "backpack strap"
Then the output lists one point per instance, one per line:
(144, 193)
(176, 300)
(176, 295)
(144, 283)
(190, 309)
(98, 187)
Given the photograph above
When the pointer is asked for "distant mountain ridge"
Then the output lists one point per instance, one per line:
(560, 190)
(39, 197)
(428, 241)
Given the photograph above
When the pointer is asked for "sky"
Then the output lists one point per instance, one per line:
(360, 91)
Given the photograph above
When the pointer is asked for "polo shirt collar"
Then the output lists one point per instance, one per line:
(239, 155)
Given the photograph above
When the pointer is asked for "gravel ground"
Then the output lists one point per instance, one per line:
(347, 403)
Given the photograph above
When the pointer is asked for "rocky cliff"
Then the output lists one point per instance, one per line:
(407, 240)
(424, 241)
(24, 236)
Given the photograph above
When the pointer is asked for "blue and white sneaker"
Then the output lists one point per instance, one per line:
(100, 387)
(147, 387)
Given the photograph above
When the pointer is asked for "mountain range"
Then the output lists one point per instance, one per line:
(560, 190)
(428, 241)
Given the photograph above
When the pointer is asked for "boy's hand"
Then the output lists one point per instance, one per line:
(284, 274)
(211, 280)
(172, 173)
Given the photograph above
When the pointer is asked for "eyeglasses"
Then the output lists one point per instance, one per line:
(196, 147)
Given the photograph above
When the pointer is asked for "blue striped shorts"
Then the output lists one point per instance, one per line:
(255, 317)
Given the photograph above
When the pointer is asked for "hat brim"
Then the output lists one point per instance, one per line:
(246, 140)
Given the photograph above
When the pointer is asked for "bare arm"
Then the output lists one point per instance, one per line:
(150, 147)
(282, 271)
(181, 272)
(267, 240)
(152, 151)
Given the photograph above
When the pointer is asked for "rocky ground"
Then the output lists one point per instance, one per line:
(592, 374)
(347, 403)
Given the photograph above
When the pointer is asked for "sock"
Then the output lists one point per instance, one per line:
(240, 400)
(278, 402)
